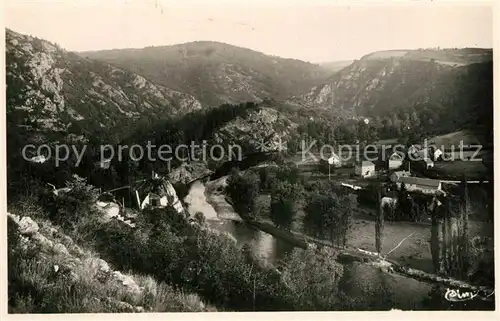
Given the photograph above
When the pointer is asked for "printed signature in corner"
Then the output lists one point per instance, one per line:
(457, 296)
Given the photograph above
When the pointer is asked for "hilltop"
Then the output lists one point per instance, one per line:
(452, 85)
(217, 73)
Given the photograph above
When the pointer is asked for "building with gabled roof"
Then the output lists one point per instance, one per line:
(437, 154)
(365, 169)
(395, 161)
(428, 163)
(425, 185)
(396, 176)
(333, 160)
(158, 192)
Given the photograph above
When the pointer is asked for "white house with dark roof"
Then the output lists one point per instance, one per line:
(432, 153)
(428, 163)
(395, 161)
(103, 164)
(334, 160)
(364, 169)
(396, 176)
(40, 159)
(437, 154)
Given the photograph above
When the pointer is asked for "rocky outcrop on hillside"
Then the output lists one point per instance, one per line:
(188, 172)
(381, 82)
(68, 262)
(367, 85)
(261, 130)
(60, 262)
(51, 89)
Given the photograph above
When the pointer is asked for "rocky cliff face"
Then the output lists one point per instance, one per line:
(381, 82)
(53, 261)
(50, 89)
(262, 130)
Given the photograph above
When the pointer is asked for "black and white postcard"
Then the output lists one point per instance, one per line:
(169, 156)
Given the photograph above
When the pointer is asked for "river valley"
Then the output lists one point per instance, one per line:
(364, 284)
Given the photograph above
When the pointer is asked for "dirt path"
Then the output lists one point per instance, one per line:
(415, 251)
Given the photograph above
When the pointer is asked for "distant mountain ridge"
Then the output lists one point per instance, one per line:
(383, 82)
(217, 73)
(447, 56)
(52, 90)
(337, 65)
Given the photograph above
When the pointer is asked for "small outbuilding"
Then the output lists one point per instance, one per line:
(395, 161)
(365, 169)
(396, 176)
(428, 163)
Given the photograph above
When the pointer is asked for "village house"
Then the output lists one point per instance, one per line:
(396, 176)
(425, 185)
(413, 151)
(334, 160)
(364, 169)
(437, 154)
(428, 163)
(40, 159)
(158, 193)
(431, 153)
(395, 161)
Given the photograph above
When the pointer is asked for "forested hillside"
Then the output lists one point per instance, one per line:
(411, 91)
(217, 73)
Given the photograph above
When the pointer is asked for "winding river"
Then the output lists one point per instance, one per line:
(225, 219)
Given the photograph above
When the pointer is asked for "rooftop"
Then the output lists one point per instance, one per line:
(333, 155)
(396, 156)
(400, 174)
(427, 182)
(428, 161)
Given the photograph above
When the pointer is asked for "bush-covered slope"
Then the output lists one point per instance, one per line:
(50, 273)
(217, 73)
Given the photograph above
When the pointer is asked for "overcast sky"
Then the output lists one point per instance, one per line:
(314, 33)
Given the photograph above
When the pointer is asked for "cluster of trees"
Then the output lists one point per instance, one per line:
(410, 206)
(329, 216)
(320, 209)
(243, 191)
(409, 123)
(191, 257)
(194, 127)
(413, 207)
(286, 201)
